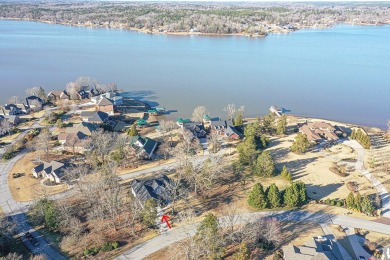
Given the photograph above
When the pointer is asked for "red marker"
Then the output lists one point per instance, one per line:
(166, 218)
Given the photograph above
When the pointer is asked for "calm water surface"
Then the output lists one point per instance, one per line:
(341, 73)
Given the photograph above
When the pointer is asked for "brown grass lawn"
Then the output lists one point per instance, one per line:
(26, 187)
(9, 138)
(313, 169)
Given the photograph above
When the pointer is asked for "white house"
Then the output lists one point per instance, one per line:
(52, 171)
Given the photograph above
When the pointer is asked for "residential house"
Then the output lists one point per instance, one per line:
(319, 131)
(83, 127)
(58, 95)
(10, 109)
(143, 146)
(23, 108)
(226, 129)
(49, 170)
(74, 142)
(82, 94)
(197, 129)
(153, 188)
(112, 96)
(14, 109)
(95, 117)
(13, 119)
(318, 248)
(34, 102)
(105, 105)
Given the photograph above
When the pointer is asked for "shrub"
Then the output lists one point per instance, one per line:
(370, 245)
(352, 186)
(339, 203)
(339, 170)
(87, 252)
(332, 202)
(327, 201)
(106, 247)
(115, 245)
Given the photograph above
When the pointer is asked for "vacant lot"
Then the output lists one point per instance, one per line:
(313, 169)
(26, 187)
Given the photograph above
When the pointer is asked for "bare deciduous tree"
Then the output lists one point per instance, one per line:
(72, 88)
(42, 142)
(86, 82)
(13, 100)
(199, 113)
(215, 141)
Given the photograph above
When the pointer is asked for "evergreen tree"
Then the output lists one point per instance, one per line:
(207, 236)
(264, 141)
(285, 174)
(133, 130)
(300, 144)
(149, 213)
(358, 202)
(281, 125)
(291, 197)
(257, 198)
(268, 123)
(367, 205)
(273, 196)
(247, 150)
(350, 201)
(242, 253)
(239, 120)
(265, 165)
(300, 187)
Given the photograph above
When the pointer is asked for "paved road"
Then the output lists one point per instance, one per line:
(177, 234)
(17, 210)
(359, 165)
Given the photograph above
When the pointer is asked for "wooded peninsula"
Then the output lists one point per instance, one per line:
(251, 19)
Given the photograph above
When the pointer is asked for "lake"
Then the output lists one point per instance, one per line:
(341, 73)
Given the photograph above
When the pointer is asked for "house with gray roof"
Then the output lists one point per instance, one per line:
(49, 170)
(83, 127)
(317, 248)
(152, 188)
(95, 117)
(143, 146)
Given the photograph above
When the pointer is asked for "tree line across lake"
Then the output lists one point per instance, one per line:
(216, 18)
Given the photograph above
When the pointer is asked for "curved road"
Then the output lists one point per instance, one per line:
(16, 210)
(177, 234)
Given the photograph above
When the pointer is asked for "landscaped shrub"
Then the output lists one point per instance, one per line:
(332, 202)
(87, 252)
(352, 186)
(339, 203)
(337, 171)
(327, 201)
(115, 245)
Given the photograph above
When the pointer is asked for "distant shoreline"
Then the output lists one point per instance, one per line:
(157, 32)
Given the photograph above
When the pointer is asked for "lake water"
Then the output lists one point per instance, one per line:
(342, 73)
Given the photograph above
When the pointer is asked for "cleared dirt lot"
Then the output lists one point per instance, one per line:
(313, 169)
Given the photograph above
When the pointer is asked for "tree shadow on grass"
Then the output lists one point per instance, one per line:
(322, 191)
